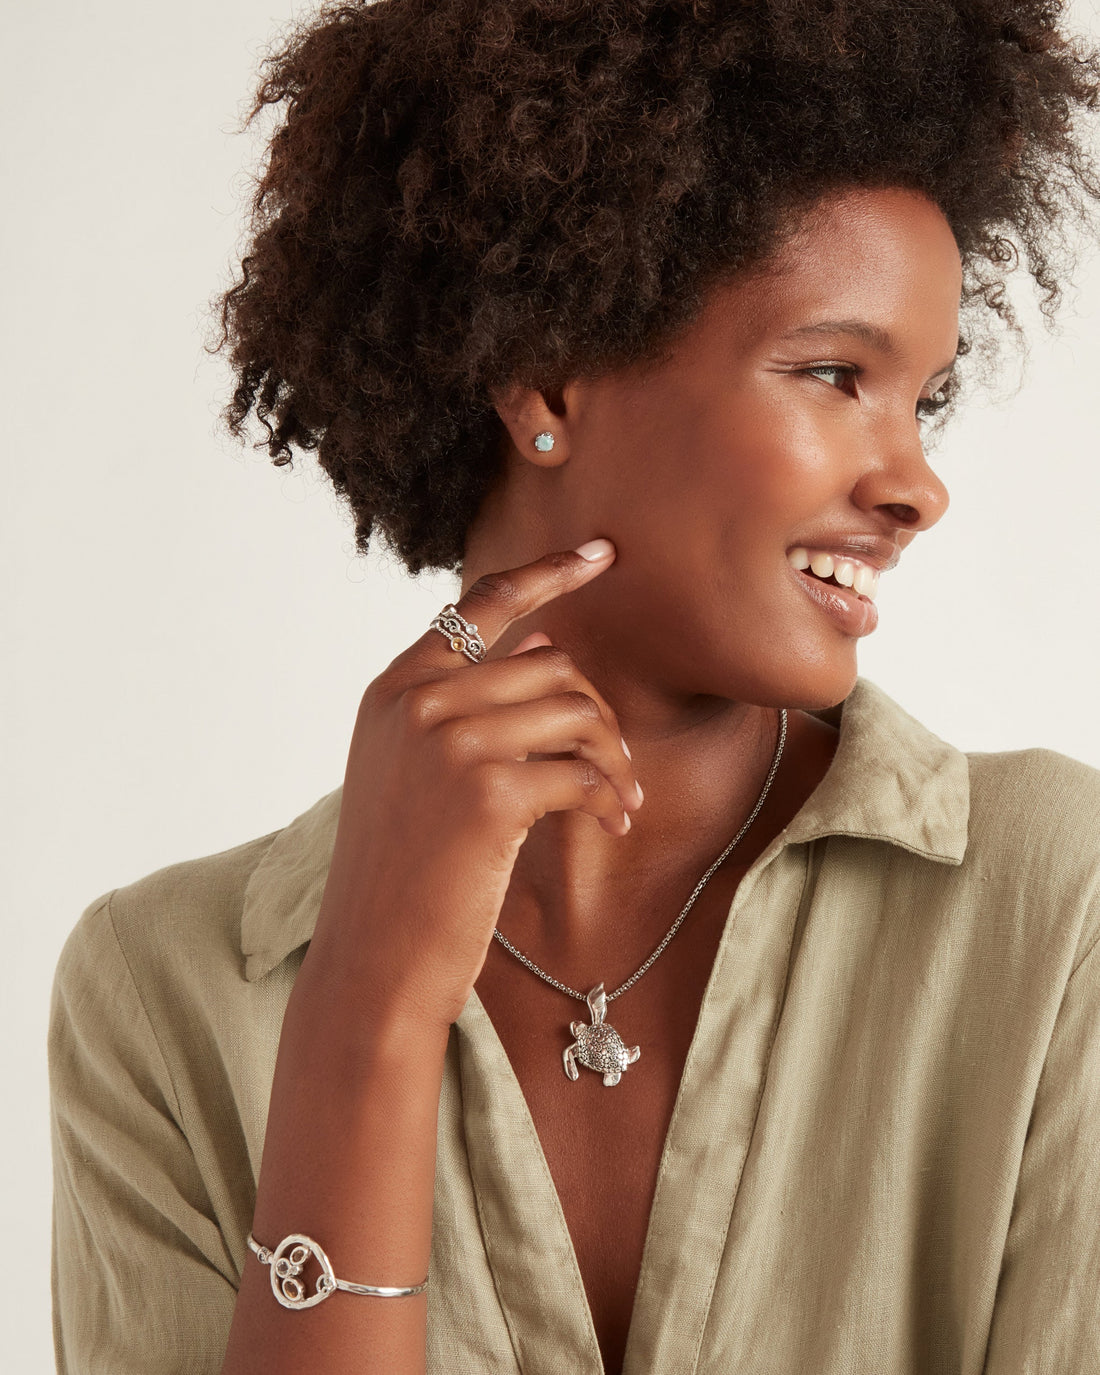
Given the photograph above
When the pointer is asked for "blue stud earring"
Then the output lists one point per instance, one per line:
(544, 442)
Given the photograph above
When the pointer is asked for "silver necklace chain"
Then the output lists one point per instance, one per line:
(573, 993)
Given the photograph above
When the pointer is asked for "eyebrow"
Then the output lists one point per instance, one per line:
(873, 335)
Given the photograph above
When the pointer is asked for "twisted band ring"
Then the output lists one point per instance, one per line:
(461, 633)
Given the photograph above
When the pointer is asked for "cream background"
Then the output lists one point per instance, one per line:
(188, 629)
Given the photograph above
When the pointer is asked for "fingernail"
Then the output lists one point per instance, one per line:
(638, 786)
(595, 549)
(626, 748)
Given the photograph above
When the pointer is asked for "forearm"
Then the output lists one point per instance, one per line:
(349, 1160)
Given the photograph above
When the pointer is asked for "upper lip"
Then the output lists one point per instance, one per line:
(877, 551)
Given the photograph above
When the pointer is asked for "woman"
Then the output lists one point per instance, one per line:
(633, 314)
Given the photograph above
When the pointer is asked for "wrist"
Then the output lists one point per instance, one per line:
(372, 986)
(338, 1024)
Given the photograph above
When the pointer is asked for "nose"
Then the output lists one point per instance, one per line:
(899, 483)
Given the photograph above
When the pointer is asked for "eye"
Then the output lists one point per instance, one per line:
(929, 405)
(926, 405)
(838, 369)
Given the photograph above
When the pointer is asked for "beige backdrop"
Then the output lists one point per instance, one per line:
(188, 630)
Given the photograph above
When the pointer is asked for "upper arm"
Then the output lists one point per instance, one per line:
(1046, 1319)
(141, 1275)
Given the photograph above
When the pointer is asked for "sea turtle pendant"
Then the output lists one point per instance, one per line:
(599, 1046)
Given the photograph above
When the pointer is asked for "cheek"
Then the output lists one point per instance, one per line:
(645, 470)
(784, 462)
(766, 452)
(686, 475)
(762, 491)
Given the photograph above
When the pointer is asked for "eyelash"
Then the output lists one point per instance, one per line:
(926, 405)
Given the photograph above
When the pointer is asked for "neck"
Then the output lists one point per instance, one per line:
(701, 760)
(701, 781)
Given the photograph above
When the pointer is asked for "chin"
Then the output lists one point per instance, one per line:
(808, 684)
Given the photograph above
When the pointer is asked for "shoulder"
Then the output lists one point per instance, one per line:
(1034, 838)
(1015, 834)
(173, 914)
(1040, 797)
(1043, 769)
(185, 935)
(153, 1001)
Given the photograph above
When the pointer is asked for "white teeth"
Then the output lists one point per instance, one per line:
(823, 565)
(866, 582)
(848, 573)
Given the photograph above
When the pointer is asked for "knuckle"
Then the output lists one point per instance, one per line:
(557, 663)
(501, 589)
(377, 702)
(583, 706)
(589, 778)
(422, 705)
(562, 561)
(374, 695)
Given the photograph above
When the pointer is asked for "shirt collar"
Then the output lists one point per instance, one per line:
(891, 779)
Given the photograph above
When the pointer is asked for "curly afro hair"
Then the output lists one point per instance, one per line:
(459, 194)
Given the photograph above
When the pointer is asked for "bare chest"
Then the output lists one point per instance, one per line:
(603, 1142)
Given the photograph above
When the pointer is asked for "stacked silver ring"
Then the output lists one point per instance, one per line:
(461, 632)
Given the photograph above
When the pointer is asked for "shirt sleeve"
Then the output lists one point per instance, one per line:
(1046, 1319)
(142, 1281)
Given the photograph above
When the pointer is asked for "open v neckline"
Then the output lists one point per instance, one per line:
(527, 1240)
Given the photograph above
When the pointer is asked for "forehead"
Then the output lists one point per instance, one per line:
(883, 256)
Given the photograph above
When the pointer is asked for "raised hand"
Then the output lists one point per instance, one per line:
(440, 792)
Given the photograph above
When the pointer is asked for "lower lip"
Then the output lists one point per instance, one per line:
(851, 612)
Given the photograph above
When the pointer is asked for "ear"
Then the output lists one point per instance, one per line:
(527, 414)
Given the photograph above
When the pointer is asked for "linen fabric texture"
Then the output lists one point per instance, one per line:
(884, 1155)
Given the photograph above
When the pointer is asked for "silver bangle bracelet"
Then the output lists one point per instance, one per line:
(288, 1260)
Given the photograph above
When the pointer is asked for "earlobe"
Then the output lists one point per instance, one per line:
(535, 430)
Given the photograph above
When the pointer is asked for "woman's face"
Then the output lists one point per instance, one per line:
(785, 425)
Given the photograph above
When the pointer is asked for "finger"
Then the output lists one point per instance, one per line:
(535, 787)
(536, 639)
(568, 723)
(496, 600)
(535, 674)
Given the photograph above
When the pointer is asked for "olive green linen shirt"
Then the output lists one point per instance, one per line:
(884, 1156)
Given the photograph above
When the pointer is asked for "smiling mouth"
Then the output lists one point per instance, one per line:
(848, 574)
